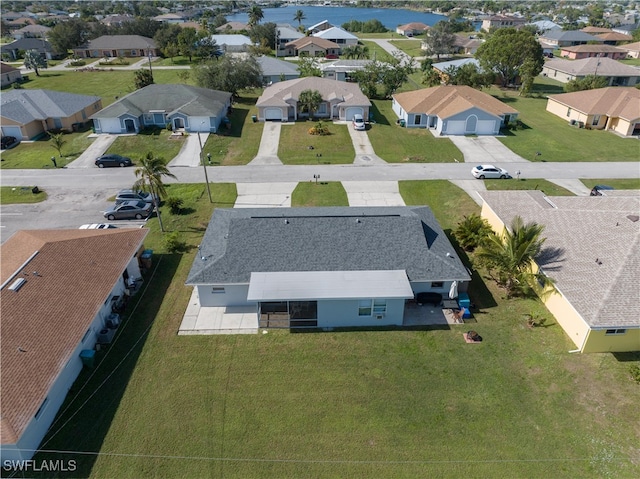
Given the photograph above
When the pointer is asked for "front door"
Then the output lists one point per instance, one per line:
(178, 124)
(130, 126)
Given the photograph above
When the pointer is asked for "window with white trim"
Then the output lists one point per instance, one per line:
(216, 290)
(596, 120)
(364, 307)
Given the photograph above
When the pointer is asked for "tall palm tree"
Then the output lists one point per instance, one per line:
(149, 174)
(299, 16)
(310, 100)
(255, 15)
(510, 257)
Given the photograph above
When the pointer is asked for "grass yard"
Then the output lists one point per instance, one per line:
(175, 61)
(618, 184)
(11, 195)
(359, 404)
(408, 145)
(37, 154)
(239, 145)
(410, 47)
(376, 52)
(335, 148)
(555, 139)
(325, 193)
(155, 140)
(550, 189)
(109, 85)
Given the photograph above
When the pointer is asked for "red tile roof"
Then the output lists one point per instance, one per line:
(67, 282)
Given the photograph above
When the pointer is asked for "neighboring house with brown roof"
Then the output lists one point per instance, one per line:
(632, 49)
(9, 74)
(596, 281)
(170, 18)
(340, 100)
(502, 21)
(616, 73)
(411, 29)
(612, 108)
(232, 27)
(579, 52)
(464, 44)
(614, 38)
(311, 47)
(57, 293)
(452, 110)
(595, 30)
(117, 46)
(28, 114)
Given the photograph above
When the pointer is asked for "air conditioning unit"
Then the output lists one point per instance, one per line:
(105, 336)
(380, 316)
(113, 321)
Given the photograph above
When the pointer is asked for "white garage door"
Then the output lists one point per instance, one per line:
(455, 128)
(12, 131)
(349, 112)
(486, 127)
(273, 114)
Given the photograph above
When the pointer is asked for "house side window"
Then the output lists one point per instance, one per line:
(379, 306)
(437, 284)
(86, 335)
(568, 111)
(216, 290)
(417, 119)
(596, 120)
(322, 108)
(615, 332)
(364, 307)
(41, 408)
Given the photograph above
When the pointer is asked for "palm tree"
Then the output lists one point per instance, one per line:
(299, 16)
(149, 174)
(510, 257)
(310, 100)
(57, 142)
(472, 231)
(255, 15)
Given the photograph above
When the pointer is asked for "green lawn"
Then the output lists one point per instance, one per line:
(410, 47)
(332, 149)
(555, 139)
(175, 61)
(11, 195)
(634, 62)
(618, 184)
(240, 144)
(550, 189)
(376, 52)
(37, 154)
(359, 404)
(153, 140)
(406, 145)
(324, 193)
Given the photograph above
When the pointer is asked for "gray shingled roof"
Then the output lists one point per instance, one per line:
(570, 36)
(119, 42)
(583, 229)
(241, 241)
(272, 66)
(602, 66)
(24, 106)
(27, 44)
(173, 98)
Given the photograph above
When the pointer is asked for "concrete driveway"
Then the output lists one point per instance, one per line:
(264, 195)
(96, 149)
(373, 193)
(189, 154)
(484, 149)
(364, 151)
(268, 151)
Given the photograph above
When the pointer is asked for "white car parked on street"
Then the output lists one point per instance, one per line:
(489, 171)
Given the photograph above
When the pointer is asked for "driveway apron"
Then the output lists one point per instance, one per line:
(189, 154)
(268, 151)
(264, 195)
(373, 193)
(484, 149)
(575, 186)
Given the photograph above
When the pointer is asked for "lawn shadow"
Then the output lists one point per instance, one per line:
(378, 117)
(238, 116)
(91, 404)
(625, 357)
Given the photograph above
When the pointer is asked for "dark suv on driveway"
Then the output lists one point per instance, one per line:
(113, 160)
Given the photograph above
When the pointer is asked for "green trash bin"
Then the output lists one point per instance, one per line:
(254, 118)
(402, 123)
(88, 357)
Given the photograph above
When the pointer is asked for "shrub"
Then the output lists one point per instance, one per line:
(173, 243)
(319, 129)
(634, 369)
(77, 63)
(175, 204)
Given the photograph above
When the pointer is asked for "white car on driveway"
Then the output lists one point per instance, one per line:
(358, 122)
(489, 171)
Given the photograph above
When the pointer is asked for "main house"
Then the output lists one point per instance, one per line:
(340, 100)
(117, 46)
(592, 252)
(613, 108)
(58, 291)
(28, 114)
(323, 267)
(452, 110)
(184, 107)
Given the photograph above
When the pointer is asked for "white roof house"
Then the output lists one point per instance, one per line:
(338, 35)
(232, 43)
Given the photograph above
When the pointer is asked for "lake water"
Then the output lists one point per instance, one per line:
(389, 17)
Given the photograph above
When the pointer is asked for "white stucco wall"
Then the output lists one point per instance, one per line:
(344, 313)
(234, 295)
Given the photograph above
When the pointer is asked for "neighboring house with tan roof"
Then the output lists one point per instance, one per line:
(411, 29)
(117, 46)
(612, 108)
(616, 73)
(28, 114)
(31, 31)
(614, 38)
(170, 18)
(311, 47)
(453, 110)
(632, 49)
(57, 293)
(9, 74)
(232, 27)
(596, 281)
(579, 52)
(502, 21)
(464, 44)
(595, 30)
(340, 100)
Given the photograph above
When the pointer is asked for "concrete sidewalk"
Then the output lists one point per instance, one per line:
(87, 159)
(189, 154)
(268, 151)
(373, 193)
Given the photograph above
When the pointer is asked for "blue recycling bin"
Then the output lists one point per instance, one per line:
(88, 357)
(465, 302)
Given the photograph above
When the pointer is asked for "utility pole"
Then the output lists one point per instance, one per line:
(206, 176)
